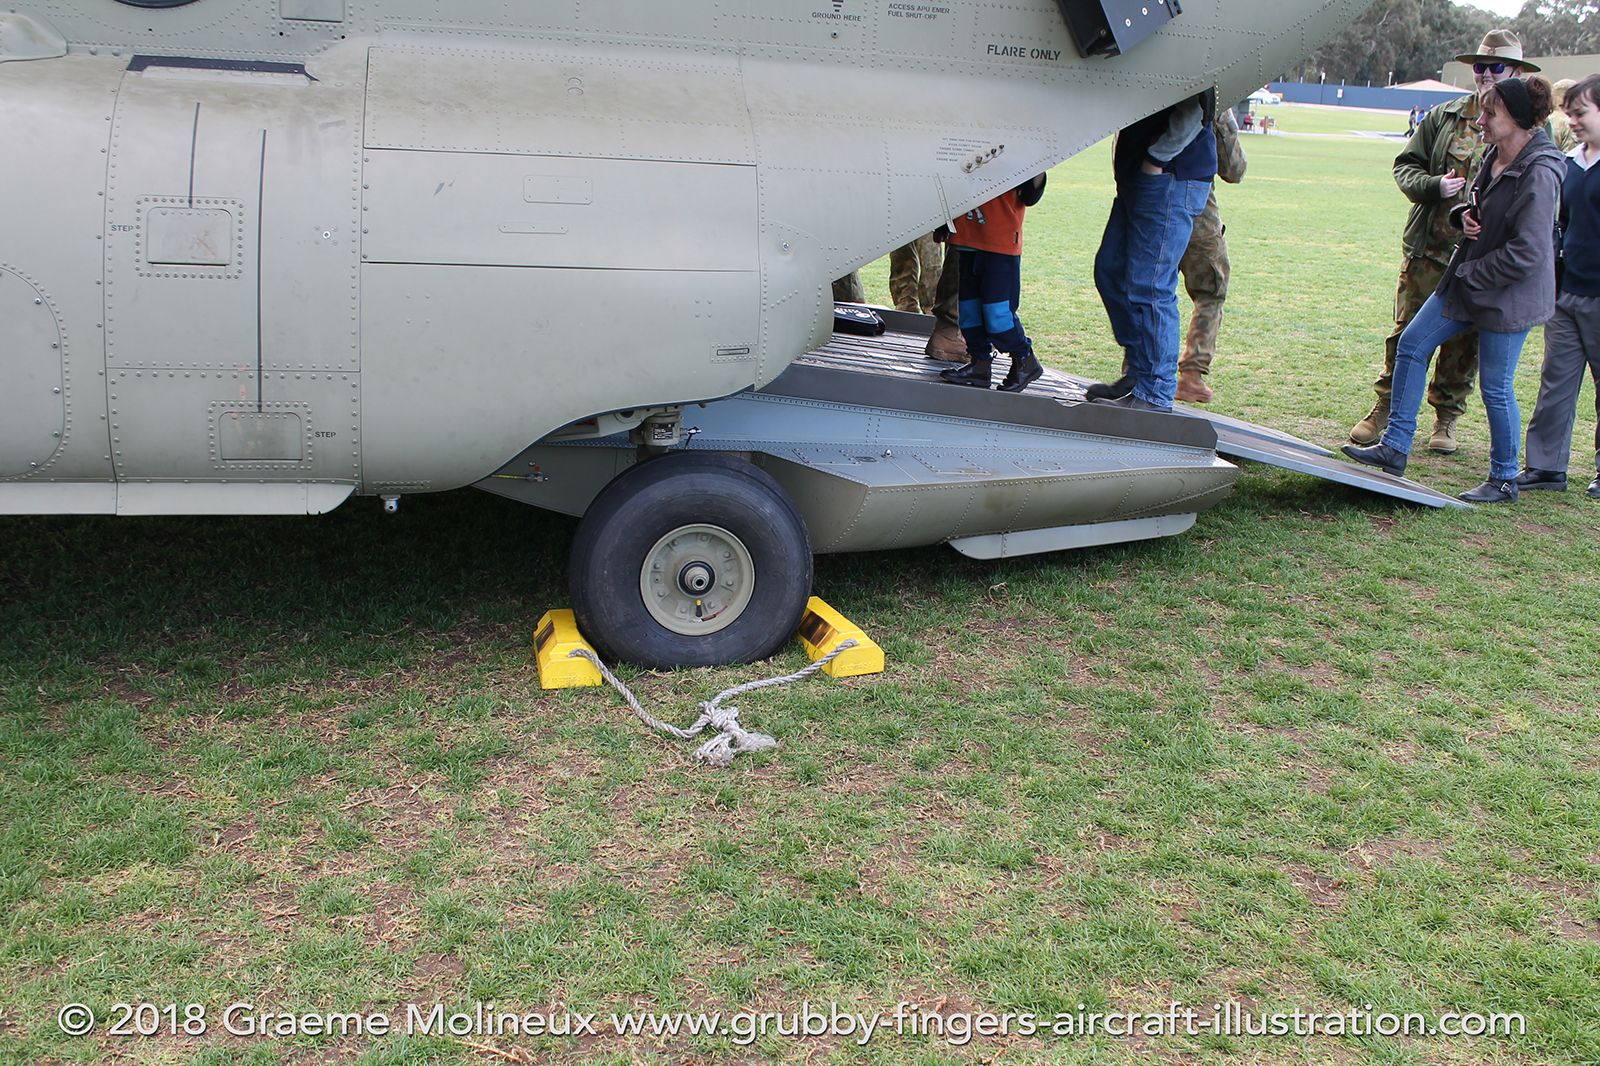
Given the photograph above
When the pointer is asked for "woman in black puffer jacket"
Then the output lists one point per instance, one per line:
(1501, 279)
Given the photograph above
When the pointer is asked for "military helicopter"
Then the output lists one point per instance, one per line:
(278, 252)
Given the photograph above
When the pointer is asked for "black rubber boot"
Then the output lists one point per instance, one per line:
(975, 373)
(1025, 370)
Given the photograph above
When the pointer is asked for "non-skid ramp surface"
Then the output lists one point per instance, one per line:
(898, 354)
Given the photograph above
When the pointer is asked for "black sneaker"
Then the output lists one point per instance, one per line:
(1594, 488)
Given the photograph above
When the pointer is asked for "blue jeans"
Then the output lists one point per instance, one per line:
(1497, 365)
(1136, 271)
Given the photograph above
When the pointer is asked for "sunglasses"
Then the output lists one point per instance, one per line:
(1489, 68)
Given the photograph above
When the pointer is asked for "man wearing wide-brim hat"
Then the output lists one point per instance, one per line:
(1500, 46)
(1434, 171)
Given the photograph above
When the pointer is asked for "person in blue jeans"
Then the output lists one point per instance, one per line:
(1164, 166)
(1500, 279)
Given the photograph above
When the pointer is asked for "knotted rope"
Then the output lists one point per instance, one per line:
(732, 738)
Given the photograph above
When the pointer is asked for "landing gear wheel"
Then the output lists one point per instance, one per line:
(692, 559)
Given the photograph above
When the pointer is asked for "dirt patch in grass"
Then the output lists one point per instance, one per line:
(115, 683)
(1321, 890)
(237, 691)
(392, 920)
(1403, 752)
(869, 779)
(1559, 887)
(1562, 896)
(1319, 675)
(1387, 853)
(404, 816)
(1105, 840)
(1317, 776)
(434, 975)
(235, 835)
(1234, 725)
(1571, 926)
(1175, 899)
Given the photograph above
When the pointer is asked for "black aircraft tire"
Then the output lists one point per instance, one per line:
(675, 525)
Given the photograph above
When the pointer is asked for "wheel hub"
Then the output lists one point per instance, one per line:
(697, 579)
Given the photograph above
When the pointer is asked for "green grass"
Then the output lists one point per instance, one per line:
(1322, 751)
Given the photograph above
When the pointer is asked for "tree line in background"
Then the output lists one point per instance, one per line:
(1409, 40)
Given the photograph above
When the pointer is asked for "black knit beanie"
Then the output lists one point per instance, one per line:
(1514, 94)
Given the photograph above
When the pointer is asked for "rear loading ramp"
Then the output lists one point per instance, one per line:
(877, 453)
(899, 354)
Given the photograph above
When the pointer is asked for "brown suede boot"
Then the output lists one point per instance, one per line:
(1443, 440)
(1370, 429)
(1192, 387)
(947, 345)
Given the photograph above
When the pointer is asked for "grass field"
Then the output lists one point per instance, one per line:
(1325, 750)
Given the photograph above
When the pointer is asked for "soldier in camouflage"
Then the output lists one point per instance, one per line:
(947, 344)
(1205, 270)
(1557, 126)
(914, 275)
(1433, 172)
(848, 289)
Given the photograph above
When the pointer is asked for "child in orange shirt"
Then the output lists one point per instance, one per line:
(989, 242)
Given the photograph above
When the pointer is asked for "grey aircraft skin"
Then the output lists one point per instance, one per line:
(276, 252)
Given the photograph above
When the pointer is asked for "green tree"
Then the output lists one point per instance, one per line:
(1409, 39)
(1558, 27)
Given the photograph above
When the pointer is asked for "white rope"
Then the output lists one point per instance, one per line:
(732, 738)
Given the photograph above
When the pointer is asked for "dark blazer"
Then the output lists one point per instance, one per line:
(1505, 281)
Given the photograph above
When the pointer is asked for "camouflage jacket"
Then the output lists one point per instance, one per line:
(1446, 139)
(1560, 131)
(1230, 153)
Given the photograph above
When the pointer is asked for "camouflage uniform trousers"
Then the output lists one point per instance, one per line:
(1204, 267)
(1457, 361)
(848, 290)
(947, 295)
(914, 273)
